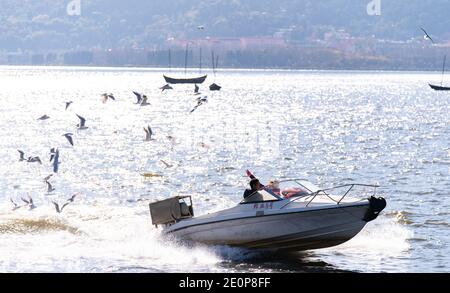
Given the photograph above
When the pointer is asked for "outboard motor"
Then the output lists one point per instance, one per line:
(376, 206)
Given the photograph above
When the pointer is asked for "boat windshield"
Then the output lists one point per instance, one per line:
(261, 196)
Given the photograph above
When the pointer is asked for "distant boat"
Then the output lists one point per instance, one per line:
(215, 61)
(199, 80)
(440, 87)
(214, 87)
(193, 80)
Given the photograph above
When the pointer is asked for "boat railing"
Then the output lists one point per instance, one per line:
(325, 192)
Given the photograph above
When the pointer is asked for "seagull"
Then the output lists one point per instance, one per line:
(16, 206)
(72, 198)
(44, 117)
(144, 101)
(148, 133)
(56, 161)
(203, 145)
(138, 96)
(58, 209)
(68, 104)
(172, 139)
(82, 123)
(52, 154)
(427, 36)
(165, 163)
(69, 137)
(166, 87)
(200, 101)
(48, 177)
(29, 202)
(22, 154)
(49, 187)
(34, 160)
(108, 96)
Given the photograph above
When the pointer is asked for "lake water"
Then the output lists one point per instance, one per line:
(380, 128)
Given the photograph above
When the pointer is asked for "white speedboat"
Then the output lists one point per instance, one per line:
(301, 216)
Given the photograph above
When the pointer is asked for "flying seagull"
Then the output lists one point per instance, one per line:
(29, 202)
(68, 104)
(52, 155)
(48, 177)
(56, 161)
(148, 133)
(138, 97)
(200, 101)
(49, 187)
(144, 101)
(69, 137)
(16, 206)
(34, 160)
(427, 36)
(58, 209)
(82, 123)
(72, 198)
(22, 154)
(166, 87)
(44, 117)
(108, 96)
(166, 164)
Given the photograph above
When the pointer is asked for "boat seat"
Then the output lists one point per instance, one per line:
(185, 211)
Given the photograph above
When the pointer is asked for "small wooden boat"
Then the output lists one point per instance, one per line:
(215, 61)
(198, 80)
(439, 88)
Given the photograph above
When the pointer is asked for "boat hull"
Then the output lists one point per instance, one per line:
(439, 88)
(196, 80)
(291, 231)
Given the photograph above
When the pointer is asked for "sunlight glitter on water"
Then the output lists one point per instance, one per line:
(331, 127)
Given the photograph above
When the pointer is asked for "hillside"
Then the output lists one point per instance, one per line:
(45, 25)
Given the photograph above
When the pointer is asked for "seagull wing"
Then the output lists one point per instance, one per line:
(82, 120)
(64, 205)
(22, 154)
(138, 97)
(69, 138)
(56, 163)
(427, 35)
(49, 186)
(13, 202)
(56, 207)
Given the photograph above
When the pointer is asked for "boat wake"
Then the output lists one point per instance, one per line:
(41, 225)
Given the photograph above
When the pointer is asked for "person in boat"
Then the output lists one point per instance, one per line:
(293, 192)
(274, 186)
(255, 185)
